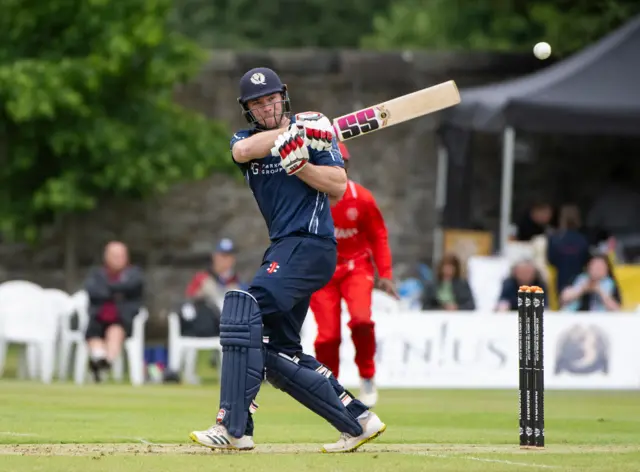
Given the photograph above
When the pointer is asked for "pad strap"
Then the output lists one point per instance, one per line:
(311, 388)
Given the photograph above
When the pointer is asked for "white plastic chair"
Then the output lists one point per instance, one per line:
(183, 350)
(133, 346)
(70, 338)
(64, 308)
(28, 359)
(134, 349)
(28, 317)
(485, 276)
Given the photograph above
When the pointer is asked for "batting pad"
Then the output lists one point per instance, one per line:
(311, 388)
(242, 359)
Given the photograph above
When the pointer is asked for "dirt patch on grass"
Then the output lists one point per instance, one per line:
(192, 449)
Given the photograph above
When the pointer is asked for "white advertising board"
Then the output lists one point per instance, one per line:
(480, 350)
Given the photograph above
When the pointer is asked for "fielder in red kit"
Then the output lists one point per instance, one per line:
(363, 248)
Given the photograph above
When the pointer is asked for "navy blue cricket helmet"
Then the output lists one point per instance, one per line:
(257, 83)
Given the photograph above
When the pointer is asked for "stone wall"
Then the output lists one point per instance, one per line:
(171, 236)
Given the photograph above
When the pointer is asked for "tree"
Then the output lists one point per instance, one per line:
(86, 108)
(239, 24)
(504, 25)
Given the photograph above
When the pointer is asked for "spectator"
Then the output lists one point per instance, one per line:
(594, 290)
(537, 221)
(210, 285)
(206, 291)
(115, 297)
(568, 248)
(523, 273)
(450, 291)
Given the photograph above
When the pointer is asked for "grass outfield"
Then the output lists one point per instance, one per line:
(62, 427)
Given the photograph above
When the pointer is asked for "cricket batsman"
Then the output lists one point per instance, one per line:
(362, 248)
(293, 166)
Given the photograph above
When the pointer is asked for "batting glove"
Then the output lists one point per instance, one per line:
(293, 152)
(317, 129)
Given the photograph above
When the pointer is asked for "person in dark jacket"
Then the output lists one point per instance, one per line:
(568, 248)
(115, 297)
(524, 272)
(210, 285)
(538, 220)
(450, 291)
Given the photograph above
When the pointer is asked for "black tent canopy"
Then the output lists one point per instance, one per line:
(595, 91)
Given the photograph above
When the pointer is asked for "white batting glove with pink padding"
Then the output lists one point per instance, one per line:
(293, 152)
(317, 129)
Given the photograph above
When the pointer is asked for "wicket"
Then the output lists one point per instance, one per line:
(531, 366)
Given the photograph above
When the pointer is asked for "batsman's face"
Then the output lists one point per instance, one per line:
(267, 110)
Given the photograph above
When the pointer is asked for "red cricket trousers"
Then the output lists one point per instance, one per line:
(353, 281)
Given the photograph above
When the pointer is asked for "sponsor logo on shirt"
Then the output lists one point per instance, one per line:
(273, 267)
(345, 233)
(258, 168)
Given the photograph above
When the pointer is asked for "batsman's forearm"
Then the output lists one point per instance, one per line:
(328, 179)
(257, 146)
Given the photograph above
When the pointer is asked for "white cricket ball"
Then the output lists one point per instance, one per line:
(542, 50)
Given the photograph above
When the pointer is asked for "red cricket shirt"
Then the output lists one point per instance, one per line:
(360, 229)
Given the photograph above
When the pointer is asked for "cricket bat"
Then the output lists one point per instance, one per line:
(392, 112)
(396, 111)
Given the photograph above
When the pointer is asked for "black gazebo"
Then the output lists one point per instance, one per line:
(594, 92)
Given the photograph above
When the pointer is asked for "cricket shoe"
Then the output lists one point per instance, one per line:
(368, 392)
(217, 437)
(372, 427)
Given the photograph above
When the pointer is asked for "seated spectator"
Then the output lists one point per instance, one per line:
(115, 297)
(535, 222)
(450, 291)
(568, 248)
(593, 290)
(210, 285)
(523, 273)
(207, 289)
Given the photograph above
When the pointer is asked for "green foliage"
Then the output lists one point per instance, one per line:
(508, 25)
(86, 108)
(239, 24)
(504, 25)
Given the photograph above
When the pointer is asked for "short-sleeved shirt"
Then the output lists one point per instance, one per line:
(289, 206)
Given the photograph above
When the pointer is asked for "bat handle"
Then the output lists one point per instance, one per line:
(336, 133)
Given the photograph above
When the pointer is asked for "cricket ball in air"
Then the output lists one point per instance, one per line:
(542, 50)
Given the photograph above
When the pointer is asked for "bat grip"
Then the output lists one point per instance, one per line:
(337, 133)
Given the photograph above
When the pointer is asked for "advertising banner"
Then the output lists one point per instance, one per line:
(480, 350)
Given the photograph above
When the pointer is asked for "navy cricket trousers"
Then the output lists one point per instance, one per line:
(292, 269)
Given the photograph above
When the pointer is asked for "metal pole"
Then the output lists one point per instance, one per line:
(441, 201)
(508, 148)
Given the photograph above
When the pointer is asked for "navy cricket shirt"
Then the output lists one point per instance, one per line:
(288, 205)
